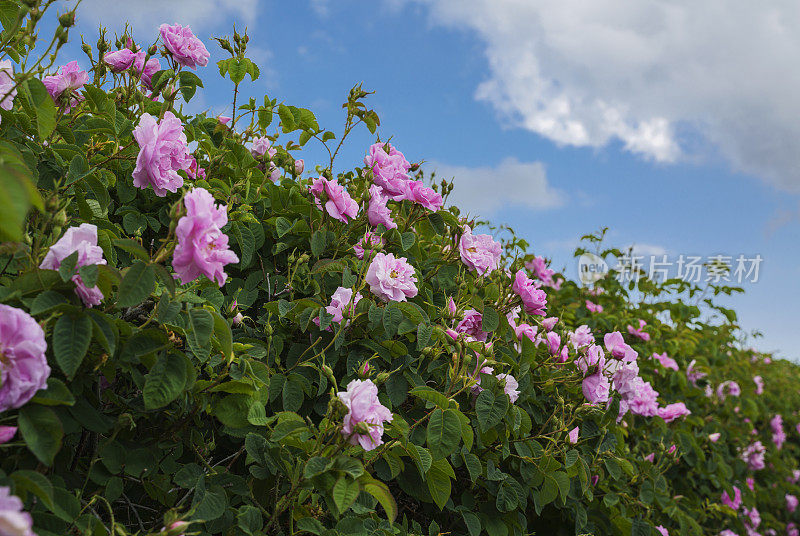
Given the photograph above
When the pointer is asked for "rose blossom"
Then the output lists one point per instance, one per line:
(365, 412)
(7, 84)
(553, 342)
(673, 411)
(13, 520)
(120, 60)
(734, 503)
(262, 146)
(639, 332)
(340, 300)
(471, 325)
(593, 307)
(525, 330)
(791, 503)
(573, 435)
(732, 386)
(510, 386)
(642, 399)
(751, 483)
(23, 365)
(146, 70)
(299, 166)
(63, 85)
(714, 437)
(650, 457)
(479, 252)
(759, 384)
(792, 530)
(754, 456)
(163, 151)
(82, 239)
(778, 435)
(533, 298)
(596, 388)
(339, 203)
(185, 48)
(617, 347)
(594, 356)
(420, 194)
(377, 211)
(666, 361)
(202, 246)
(693, 376)
(390, 278)
(369, 241)
(662, 530)
(7, 433)
(581, 337)
(538, 265)
(389, 169)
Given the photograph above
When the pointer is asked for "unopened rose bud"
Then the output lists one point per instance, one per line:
(451, 307)
(87, 48)
(299, 166)
(67, 19)
(364, 370)
(381, 378)
(152, 50)
(223, 120)
(672, 449)
(233, 306)
(238, 319)
(268, 330)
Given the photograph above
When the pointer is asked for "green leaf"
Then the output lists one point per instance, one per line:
(17, 193)
(381, 492)
(47, 300)
(444, 433)
(438, 479)
(491, 320)
(56, 394)
(133, 247)
(67, 268)
(71, 337)
(282, 226)
(45, 108)
(202, 324)
(249, 520)
(137, 284)
(549, 490)
(165, 381)
(78, 169)
(431, 395)
(222, 331)
(287, 119)
(33, 482)
(315, 466)
(318, 242)
(407, 240)
(42, 431)
(490, 408)
(89, 275)
(345, 492)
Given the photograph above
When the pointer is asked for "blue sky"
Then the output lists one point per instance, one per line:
(555, 122)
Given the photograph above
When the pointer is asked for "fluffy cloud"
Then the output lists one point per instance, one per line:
(524, 184)
(669, 80)
(149, 14)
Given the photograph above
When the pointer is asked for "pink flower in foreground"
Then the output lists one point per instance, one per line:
(538, 265)
(420, 194)
(759, 384)
(377, 211)
(791, 503)
(390, 278)
(594, 356)
(553, 342)
(120, 60)
(339, 204)
(481, 253)
(471, 325)
(573, 434)
(368, 242)
(525, 330)
(643, 399)
(593, 307)
(82, 239)
(510, 386)
(7, 85)
(534, 299)
(617, 348)
(639, 332)
(673, 411)
(666, 361)
(185, 48)
(202, 246)
(341, 304)
(7, 433)
(162, 152)
(14, 521)
(262, 146)
(596, 388)
(63, 85)
(389, 169)
(23, 369)
(363, 423)
(662, 530)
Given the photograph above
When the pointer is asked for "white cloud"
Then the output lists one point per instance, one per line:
(646, 250)
(481, 191)
(650, 74)
(147, 15)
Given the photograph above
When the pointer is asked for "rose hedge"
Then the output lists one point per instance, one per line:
(197, 337)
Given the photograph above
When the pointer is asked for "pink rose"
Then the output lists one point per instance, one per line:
(593, 307)
(162, 152)
(510, 386)
(596, 388)
(481, 253)
(341, 304)
(573, 434)
(754, 456)
(553, 342)
(146, 70)
(451, 307)
(594, 356)
(650, 457)
(339, 204)
(471, 325)
(534, 299)
(364, 412)
(185, 48)
(82, 239)
(377, 212)
(581, 337)
(525, 330)
(7, 84)
(299, 166)
(223, 119)
(791, 503)
(666, 361)
(617, 347)
(389, 169)
(420, 194)
(7, 433)
(673, 411)
(63, 85)
(120, 60)
(538, 265)
(662, 530)
(14, 521)
(639, 332)
(714, 437)
(643, 400)
(262, 146)
(549, 323)
(778, 435)
(202, 246)
(369, 242)
(24, 368)
(391, 279)
(759, 384)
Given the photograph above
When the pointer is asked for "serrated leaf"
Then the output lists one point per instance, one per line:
(164, 382)
(71, 337)
(137, 284)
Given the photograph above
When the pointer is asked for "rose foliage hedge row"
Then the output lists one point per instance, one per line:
(200, 333)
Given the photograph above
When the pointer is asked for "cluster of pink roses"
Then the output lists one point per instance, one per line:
(390, 173)
(125, 58)
(778, 435)
(538, 266)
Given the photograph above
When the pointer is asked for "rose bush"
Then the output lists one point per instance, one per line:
(198, 338)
